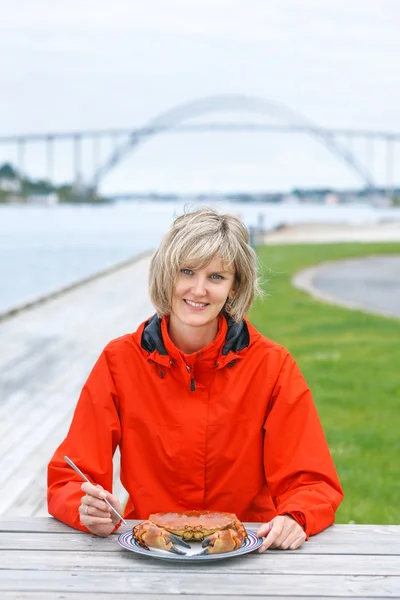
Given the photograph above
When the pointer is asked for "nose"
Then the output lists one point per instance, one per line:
(199, 286)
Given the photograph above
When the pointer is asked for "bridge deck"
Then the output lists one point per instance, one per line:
(46, 354)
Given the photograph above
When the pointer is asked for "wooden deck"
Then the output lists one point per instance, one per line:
(46, 354)
(41, 559)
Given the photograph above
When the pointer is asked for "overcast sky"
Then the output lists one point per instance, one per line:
(100, 64)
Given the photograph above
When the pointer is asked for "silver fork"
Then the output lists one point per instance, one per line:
(73, 465)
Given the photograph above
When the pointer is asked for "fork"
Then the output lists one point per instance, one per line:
(73, 465)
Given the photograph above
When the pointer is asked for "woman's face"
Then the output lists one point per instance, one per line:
(200, 295)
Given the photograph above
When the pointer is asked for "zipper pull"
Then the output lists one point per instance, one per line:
(192, 382)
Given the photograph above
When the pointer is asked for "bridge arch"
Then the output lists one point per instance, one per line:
(230, 102)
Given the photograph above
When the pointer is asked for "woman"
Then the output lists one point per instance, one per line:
(208, 414)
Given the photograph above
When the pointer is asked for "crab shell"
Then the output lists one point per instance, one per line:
(197, 524)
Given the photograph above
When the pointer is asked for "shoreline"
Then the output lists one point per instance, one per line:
(42, 298)
(322, 232)
(290, 234)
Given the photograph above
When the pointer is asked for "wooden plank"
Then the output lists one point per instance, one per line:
(64, 541)
(66, 595)
(270, 562)
(39, 541)
(385, 543)
(27, 496)
(54, 395)
(13, 524)
(340, 531)
(232, 584)
(337, 531)
(26, 488)
(346, 537)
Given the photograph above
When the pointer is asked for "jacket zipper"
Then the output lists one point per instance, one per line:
(192, 382)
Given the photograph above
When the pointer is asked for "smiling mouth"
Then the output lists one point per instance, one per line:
(196, 304)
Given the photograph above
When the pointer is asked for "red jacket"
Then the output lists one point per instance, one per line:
(231, 428)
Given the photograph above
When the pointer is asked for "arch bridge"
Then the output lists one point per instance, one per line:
(126, 141)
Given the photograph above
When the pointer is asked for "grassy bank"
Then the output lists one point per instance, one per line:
(351, 361)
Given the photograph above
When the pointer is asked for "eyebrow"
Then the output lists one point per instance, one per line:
(222, 272)
(217, 272)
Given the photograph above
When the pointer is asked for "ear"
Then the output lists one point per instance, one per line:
(234, 288)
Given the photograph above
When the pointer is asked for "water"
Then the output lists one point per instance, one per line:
(43, 248)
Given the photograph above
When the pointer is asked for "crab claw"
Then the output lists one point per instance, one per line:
(174, 539)
(222, 541)
(150, 536)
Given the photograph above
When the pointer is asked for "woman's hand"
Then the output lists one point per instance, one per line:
(95, 514)
(281, 532)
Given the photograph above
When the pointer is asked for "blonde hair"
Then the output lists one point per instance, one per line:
(193, 240)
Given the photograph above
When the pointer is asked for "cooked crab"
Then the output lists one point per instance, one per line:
(218, 531)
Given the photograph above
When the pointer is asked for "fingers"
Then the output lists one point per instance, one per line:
(92, 516)
(271, 536)
(289, 540)
(298, 542)
(283, 532)
(265, 529)
(101, 526)
(92, 490)
(94, 512)
(95, 496)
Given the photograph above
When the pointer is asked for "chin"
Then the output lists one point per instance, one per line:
(197, 320)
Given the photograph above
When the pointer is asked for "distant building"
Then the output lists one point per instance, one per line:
(10, 185)
(15, 199)
(290, 199)
(331, 198)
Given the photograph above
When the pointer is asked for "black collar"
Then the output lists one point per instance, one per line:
(237, 336)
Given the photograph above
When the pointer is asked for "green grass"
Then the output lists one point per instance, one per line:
(351, 361)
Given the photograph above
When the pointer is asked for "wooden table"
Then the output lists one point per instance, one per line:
(41, 559)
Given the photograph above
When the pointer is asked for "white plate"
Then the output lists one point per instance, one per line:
(193, 554)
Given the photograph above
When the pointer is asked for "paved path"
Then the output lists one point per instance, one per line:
(371, 284)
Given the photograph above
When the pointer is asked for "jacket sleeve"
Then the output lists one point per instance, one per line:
(90, 443)
(298, 466)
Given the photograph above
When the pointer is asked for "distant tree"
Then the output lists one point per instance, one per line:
(36, 187)
(7, 171)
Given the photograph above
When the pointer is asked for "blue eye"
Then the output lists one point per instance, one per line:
(216, 276)
(186, 271)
